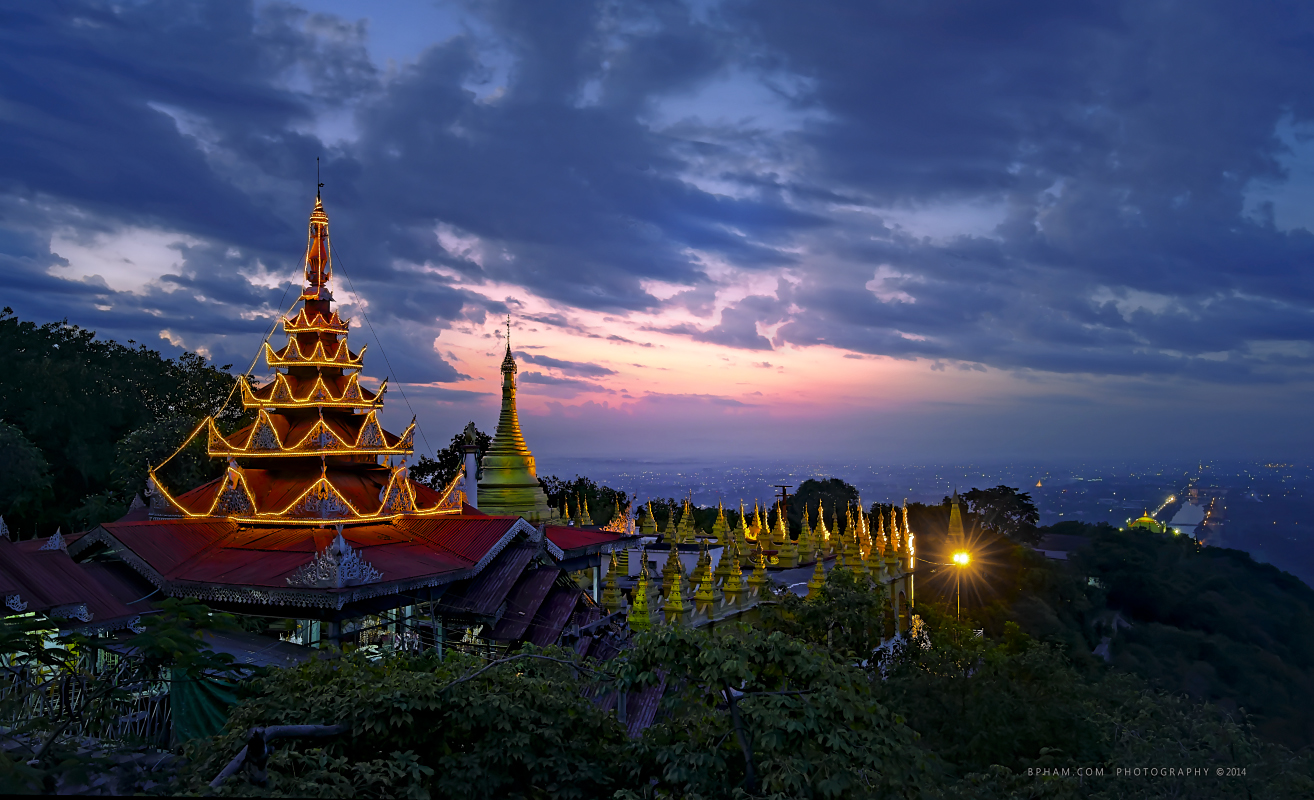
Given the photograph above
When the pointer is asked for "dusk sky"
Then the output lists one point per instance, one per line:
(886, 231)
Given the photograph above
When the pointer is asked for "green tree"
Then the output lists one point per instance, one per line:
(763, 714)
(75, 397)
(1006, 511)
(438, 472)
(603, 501)
(419, 726)
(24, 474)
(848, 616)
(834, 494)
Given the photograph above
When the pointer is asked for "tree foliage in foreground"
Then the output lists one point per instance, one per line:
(52, 749)
(530, 728)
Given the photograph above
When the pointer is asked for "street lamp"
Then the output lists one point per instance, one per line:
(961, 559)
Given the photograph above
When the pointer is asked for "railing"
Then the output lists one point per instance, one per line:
(81, 700)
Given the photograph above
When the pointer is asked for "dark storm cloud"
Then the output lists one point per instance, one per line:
(1115, 142)
(555, 386)
(1121, 138)
(738, 325)
(569, 367)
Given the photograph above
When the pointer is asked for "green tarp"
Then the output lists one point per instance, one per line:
(199, 706)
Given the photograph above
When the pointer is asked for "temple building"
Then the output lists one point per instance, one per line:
(316, 521)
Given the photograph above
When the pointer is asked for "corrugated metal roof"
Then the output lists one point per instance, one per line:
(486, 591)
(523, 603)
(41, 574)
(120, 581)
(49, 578)
(553, 615)
(469, 537)
(164, 544)
(641, 708)
(257, 651)
(570, 538)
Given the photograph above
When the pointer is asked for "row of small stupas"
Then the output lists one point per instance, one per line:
(316, 518)
(708, 592)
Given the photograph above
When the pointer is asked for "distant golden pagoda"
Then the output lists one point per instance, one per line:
(509, 484)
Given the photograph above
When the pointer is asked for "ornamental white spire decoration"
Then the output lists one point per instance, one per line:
(337, 567)
(55, 542)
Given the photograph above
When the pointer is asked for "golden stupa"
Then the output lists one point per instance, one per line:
(509, 484)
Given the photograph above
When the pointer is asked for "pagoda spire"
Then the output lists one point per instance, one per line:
(956, 536)
(510, 481)
(759, 577)
(733, 584)
(319, 255)
(823, 538)
(611, 597)
(720, 529)
(818, 579)
(640, 616)
(313, 413)
(675, 606)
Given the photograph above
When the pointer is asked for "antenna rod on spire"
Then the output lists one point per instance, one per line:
(318, 184)
(508, 331)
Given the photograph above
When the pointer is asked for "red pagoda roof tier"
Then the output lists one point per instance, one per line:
(292, 355)
(316, 323)
(324, 391)
(307, 495)
(275, 435)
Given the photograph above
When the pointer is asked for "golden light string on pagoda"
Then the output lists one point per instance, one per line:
(241, 380)
(271, 515)
(391, 371)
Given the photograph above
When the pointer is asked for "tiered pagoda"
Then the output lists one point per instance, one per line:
(315, 518)
(316, 451)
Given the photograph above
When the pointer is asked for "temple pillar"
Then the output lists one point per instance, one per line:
(472, 475)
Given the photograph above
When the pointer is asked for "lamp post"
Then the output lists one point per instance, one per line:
(961, 559)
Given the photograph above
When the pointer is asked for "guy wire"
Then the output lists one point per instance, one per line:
(244, 376)
(391, 371)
